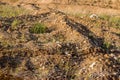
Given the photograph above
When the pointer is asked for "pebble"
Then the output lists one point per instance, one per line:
(95, 16)
(92, 65)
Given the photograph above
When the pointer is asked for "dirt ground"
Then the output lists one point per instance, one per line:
(70, 48)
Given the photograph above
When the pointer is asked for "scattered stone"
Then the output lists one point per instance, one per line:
(94, 16)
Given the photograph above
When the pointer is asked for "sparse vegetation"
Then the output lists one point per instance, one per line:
(5, 43)
(105, 17)
(106, 46)
(14, 0)
(15, 24)
(22, 38)
(113, 21)
(10, 11)
(38, 28)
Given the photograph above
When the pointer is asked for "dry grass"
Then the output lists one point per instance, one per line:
(10, 11)
(110, 21)
(12, 1)
(113, 21)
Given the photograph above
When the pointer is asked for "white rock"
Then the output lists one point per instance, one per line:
(93, 16)
(92, 65)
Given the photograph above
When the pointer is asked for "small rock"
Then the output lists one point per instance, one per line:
(93, 16)
(92, 65)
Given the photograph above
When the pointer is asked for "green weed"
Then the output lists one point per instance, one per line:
(106, 46)
(38, 28)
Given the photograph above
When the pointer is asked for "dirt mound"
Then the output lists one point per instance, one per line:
(62, 49)
(58, 24)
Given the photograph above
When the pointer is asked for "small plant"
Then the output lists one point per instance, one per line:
(38, 28)
(106, 46)
(14, 24)
(5, 43)
(23, 38)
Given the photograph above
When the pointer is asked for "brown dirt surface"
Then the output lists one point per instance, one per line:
(69, 48)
